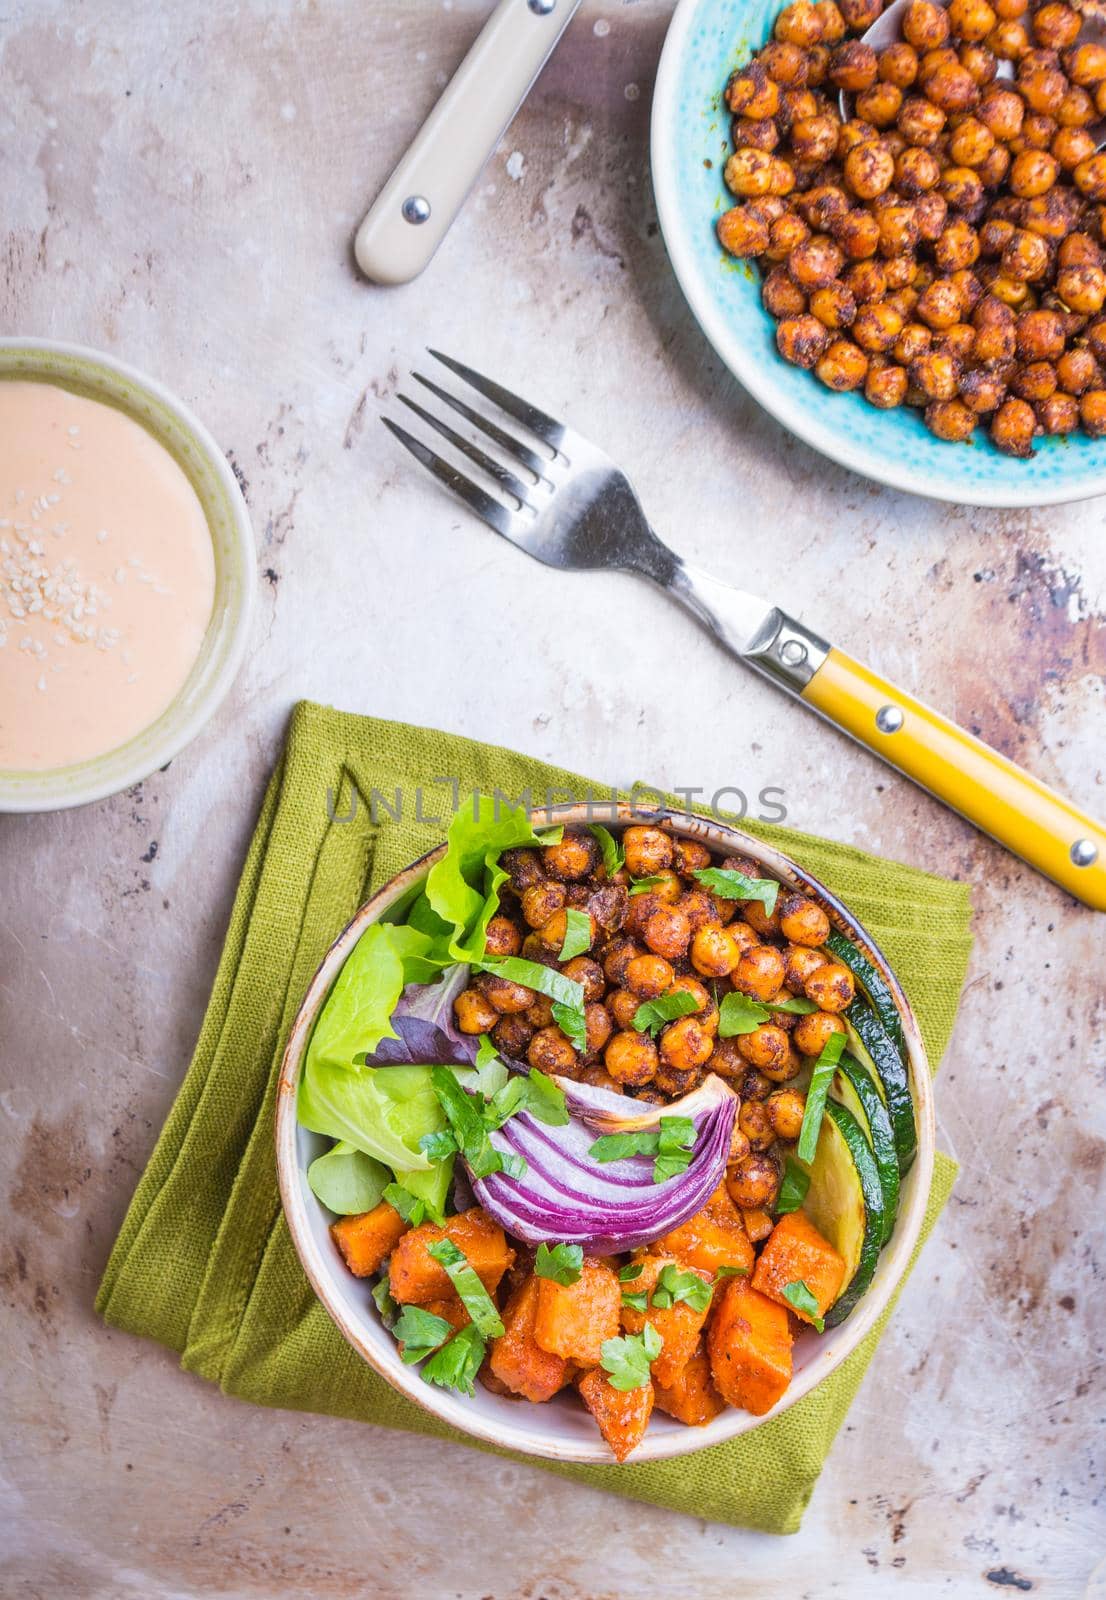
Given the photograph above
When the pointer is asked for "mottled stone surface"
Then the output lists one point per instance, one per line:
(180, 184)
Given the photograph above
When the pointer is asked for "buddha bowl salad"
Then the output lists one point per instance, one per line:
(612, 1115)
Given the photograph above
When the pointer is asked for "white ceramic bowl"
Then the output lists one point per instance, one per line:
(562, 1430)
(101, 377)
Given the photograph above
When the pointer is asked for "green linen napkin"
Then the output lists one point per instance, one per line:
(204, 1261)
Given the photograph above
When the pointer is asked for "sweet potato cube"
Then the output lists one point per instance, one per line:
(452, 1308)
(691, 1397)
(573, 1319)
(417, 1278)
(796, 1250)
(516, 1358)
(678, 1325)
(749, 1343)
(622, 1414)
(714, 1237)
(366, 1241)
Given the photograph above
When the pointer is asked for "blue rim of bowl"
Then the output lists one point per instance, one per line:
(96, 375)
(747, 364)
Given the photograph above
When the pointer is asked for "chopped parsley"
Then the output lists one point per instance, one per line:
(577, 937)
(400, 1199)
(797, 1294)
(653, 1014)
(820, 1080)
(419, 1332)
(796, 1182)
(614, 857)
(732, 885)
(563, 1263)
(456, 1364)
(627, 1360)
(672, 1143)
(672, 1286)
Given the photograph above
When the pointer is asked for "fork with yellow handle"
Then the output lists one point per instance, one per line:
(559, 498)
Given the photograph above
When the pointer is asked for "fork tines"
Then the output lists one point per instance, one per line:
(543, 427)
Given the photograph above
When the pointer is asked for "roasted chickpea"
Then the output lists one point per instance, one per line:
(979, 63)
(1072, 147)
(832, 987)
(834, 306)
(1096, 339)
(1085, 64)
(540, 1014)
(852, 133)
(749, 171)
(631, 1058)
(785, 63)
(1058, 414)
(802, 920)
(648, 976)
(970, 143)
(898, 65)
(763, 922)
(812, 1032)
(1002, 113)
(924, 25)
(474, 1012)
(795, 106)
(648, 851)
(939, 307)
(802, 340)
(822, 206)
(956, 250)
(1076, 109)
(834, 26)
(911, 342)
(876, 326)
(685, 1044)
(511, 1036)
(699, 909)
(1034, 381)
(1013, 427)
(931, 213)
(715, 952)
(866, 280)
(957, 341)
(617, 957)
(767, 1048)
(705, 1008)
(589, 974)
(1082, 289)
(853, 66)
(857, 233)
(982, 391)
(689, 856)
(1040, 336)
(798, 24)
(751, 93)
(754, 1183)
(1026, 256)
(502, 937)
(898, 236)
(817, 262)
(759, 972)
(843, 367)
(879, 104)
(668, 933)
(860, 14)
(785, 1110)
(1009, 40)
(962, 188)
(814, 138)
(916, 171)
(971, 20)
(920, 123)
(992, 174)
(1092, 412)
(598, 1027)
(1090, 176)
(798, 963)
(1033, 172)
(1076, 371)
(781, 294)
(541, 901)
(1042, 88)
(950, 420)
(574, 857)
(507, 997)
(783, 235)
(755, 1123)
(1056, 26)
(1052, 215)
(623, 1006)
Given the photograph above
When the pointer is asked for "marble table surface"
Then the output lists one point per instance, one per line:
(180, 184)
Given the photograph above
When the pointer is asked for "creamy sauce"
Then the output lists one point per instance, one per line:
(107, 577)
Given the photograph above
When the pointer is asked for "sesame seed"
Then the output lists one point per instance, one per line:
(42, 683)
(101, 536)
(73, 430)
(120, 574)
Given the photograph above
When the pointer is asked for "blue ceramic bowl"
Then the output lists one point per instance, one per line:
(690, 143)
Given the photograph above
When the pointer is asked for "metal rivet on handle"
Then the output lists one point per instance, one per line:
(542, 8)
(416, 208)
(1083, 853)
(889, 719)
(793, 651)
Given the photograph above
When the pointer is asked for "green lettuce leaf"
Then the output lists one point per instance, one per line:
(347, 1180)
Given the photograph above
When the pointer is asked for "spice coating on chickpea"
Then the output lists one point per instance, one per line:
(942, 185)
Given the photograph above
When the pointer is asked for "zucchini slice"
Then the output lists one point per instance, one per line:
(872, 983)
(871, 1043)
(855, 1087)
(845, 1203)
